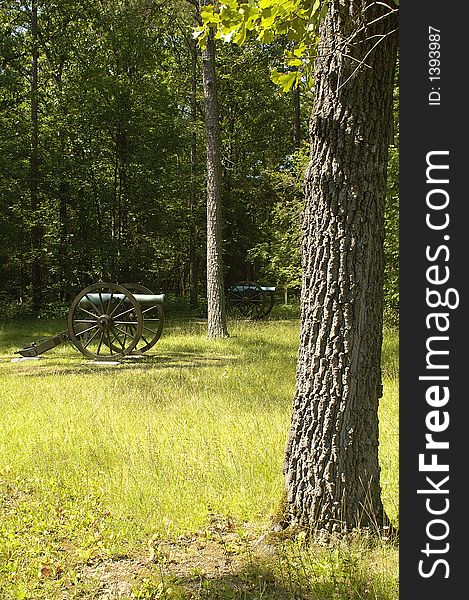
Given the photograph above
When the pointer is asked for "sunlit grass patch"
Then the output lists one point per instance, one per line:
(388, 414)
(96, 460)
(196, 424)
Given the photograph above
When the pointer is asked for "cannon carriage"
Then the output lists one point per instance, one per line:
(250, 300)
(107, 321)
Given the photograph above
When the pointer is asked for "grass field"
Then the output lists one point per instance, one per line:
(157, 478)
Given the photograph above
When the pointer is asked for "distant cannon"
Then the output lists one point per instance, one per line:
(250, 300)
(107, 321)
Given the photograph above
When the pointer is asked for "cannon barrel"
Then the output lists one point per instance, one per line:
(94, 299)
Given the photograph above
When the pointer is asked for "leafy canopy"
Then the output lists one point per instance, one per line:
(295, 22)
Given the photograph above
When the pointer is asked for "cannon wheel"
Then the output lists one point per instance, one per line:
(112, 318)
(248, 299)
(153, 319)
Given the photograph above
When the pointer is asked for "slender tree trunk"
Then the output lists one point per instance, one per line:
(193, 271)
(64, 201)
(296, 118)
(113, 258)
(36, 234)
(331, 462)
(217, 327)
(64, 265)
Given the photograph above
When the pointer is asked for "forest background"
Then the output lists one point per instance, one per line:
(102, 158)
(159, 470)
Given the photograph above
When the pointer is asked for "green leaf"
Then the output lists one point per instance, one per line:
(300, 50)
(266, 36)
(208, 16)
(294, 62)
(240, 36)
(200, 34)
(231, 4)
(226, 37)
(285, 80)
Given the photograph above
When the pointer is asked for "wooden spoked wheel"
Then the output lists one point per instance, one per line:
(105, 321)
(247, 299)
(153, 318)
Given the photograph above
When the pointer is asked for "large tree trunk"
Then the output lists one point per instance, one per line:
(331, 462)
(215, 289)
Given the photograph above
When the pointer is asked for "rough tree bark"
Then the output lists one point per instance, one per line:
(331, 463)
(217, 327)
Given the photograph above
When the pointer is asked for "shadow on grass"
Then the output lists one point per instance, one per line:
(44, 366)
(253, 584)
(229, 563)
(256, 583)
(279, 572)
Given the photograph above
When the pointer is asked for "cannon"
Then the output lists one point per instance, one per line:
(250, 300)
(107, 321)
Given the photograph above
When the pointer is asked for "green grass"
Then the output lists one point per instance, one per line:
(389, 425)
(98, 461)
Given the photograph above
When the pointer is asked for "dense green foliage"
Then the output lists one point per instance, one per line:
(119, 196)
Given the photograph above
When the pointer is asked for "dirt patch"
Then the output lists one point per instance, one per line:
(217, 553)
(114, 578)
